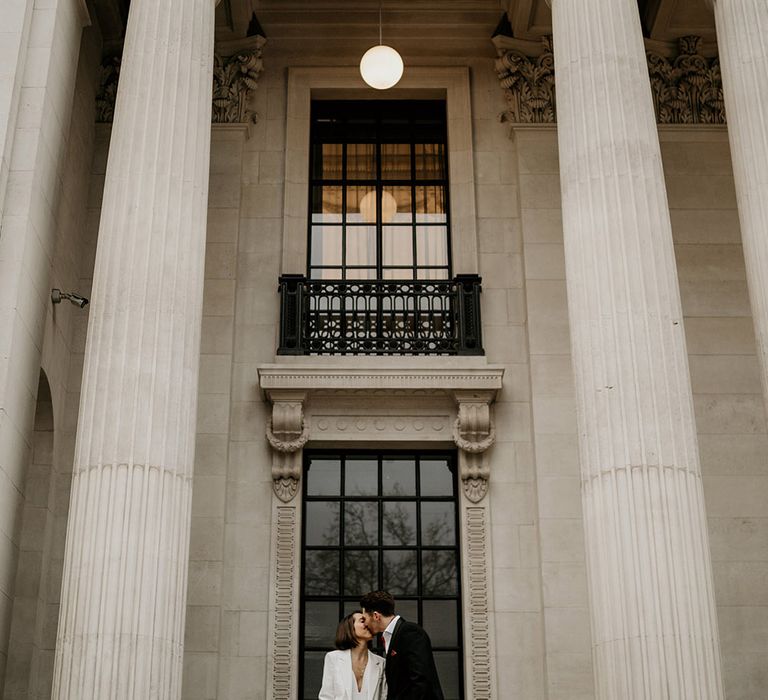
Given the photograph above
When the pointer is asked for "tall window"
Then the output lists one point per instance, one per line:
(383, 520)
(379, 190)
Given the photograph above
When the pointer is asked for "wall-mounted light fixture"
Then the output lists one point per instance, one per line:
(381, 66)
(57, 296)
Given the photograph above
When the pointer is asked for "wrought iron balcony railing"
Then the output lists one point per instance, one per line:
(380, 317)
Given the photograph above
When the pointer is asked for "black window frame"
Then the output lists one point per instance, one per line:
(346, 601)
(380, 122)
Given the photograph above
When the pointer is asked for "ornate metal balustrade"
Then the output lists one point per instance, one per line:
(381, 317)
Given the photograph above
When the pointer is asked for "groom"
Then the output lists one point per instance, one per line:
(409, 669)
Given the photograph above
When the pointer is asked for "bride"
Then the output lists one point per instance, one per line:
(352, 672)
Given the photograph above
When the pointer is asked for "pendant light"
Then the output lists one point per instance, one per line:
(381, 66)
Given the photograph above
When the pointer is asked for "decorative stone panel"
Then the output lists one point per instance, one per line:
(686, 83)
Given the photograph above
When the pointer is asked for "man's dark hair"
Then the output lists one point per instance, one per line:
(345, 632)
(380, 602)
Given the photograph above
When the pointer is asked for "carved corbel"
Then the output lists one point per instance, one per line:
(287, 433)
(474, 433)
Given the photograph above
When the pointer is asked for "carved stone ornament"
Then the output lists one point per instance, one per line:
(529, 85)
(687, 88)
(235, 78)
(287, 433)
(474, 433)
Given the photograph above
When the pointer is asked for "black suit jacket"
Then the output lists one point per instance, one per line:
(410, 668)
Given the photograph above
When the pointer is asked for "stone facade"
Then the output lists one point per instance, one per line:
(511, 415)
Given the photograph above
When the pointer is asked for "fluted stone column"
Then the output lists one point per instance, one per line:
(121, 625)
(654, 628)
(742, 39)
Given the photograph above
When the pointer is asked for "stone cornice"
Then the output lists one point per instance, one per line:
(397, 379)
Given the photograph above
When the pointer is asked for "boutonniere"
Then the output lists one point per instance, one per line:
(392, 652)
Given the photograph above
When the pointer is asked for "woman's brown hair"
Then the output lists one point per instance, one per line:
(345, 632)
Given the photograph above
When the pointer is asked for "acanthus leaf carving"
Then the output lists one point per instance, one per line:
(474, 433)
(235, 78)
(287, 432)
(687, 89)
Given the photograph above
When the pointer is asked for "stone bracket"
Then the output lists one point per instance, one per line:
(473, 433)
(287, 433)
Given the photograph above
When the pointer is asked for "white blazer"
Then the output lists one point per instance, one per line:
(339, 679)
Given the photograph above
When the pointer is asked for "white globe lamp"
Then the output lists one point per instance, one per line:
(381, 67)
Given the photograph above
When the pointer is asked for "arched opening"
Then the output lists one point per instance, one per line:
(26, 672)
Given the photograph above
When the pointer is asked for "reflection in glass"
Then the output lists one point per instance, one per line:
(327, 161)
(361, 524)
(398, 209)
(323, 477)
(398, 477)
(361, 161)
(326, 204)
(361, 246)
(321, 572)
(437, 524)
(326, 245)
(430, 161)
(361, 477)
(400, 572)
(440, 621)
(397, 246)
(396, 161)
(322, 523)
(399, 523)
(361, 205)
(436, 478)
(447, 663)
(409, 609)
(320, 620)
(313, 673)
(438, 573)
(430, 204)
(361, 571)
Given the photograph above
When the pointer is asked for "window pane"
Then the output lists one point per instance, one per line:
(397, 246)
(333, 273)
(438, 573)
(430, 161)
(320, 622)
(366, 273)
(396, 161)
(396, 205)
(398, 273)
(441, 622)
(361, 477)
(361, 246)
(327, 161)
(432, 246)
(361, 572)
(321, 575)
(430, 204)
(409, 609)
(361, 205)
(399, 523)
(361, 161)
(322, 523)
(323, 477)
(438, 526)
(326, 245)
(447, 663)
(436, 478)
(326, 204)
(313, 673)
(398, 477)
(361, 524)
(432, 273)
(400, 572)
